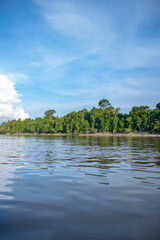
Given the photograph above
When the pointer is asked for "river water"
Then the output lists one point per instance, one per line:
(79, 188)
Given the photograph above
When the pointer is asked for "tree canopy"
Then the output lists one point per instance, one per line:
(158, 105)
(49, 113)
(104, 103)
(103, 119)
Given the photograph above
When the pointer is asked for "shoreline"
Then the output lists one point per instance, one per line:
(106, 134)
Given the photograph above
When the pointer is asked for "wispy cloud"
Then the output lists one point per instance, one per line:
(111, 36)
(64, 16)
(19, 78)
(82, 51)
(35, 64)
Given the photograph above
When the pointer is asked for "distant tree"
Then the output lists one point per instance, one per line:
(158, 105)
(104, 103)
(103, 119)
(140, 118)
(50, 113)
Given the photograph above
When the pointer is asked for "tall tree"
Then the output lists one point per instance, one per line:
(50, 113)
(104, 103)
(158, 105)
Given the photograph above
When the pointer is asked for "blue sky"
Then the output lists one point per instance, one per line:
(68, 55)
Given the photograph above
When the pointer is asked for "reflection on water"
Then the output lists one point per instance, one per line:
(11, 152)
(79, 187)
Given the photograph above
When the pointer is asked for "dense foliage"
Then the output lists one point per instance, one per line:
(103, 119)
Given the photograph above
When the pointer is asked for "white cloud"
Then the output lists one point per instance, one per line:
(10, 107)
(20, 78)
(65, 17)
(105, 30)
(91, 28)
(57, 60)
(35, 64)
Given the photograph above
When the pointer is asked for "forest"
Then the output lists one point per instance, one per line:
(106, 118)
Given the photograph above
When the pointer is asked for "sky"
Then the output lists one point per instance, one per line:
(68, 55)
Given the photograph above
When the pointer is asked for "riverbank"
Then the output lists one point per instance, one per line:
(107, 134)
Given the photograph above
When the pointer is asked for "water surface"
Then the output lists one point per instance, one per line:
(79, 188)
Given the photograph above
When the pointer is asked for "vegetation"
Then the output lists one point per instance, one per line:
(50, 113)
(103, 119)
(158, 105)
(104, 103)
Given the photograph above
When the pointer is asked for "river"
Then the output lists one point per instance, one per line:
(79, 188)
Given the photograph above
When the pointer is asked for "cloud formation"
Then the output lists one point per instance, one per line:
(82, 51)
(18, 77)
(35, 64)
(10, 107)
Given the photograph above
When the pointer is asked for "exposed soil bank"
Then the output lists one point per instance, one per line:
(89, 134)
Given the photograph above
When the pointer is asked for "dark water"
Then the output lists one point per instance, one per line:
(79, 188)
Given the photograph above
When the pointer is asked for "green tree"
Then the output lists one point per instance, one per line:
(49, 113)
(104, 103)
(155, 120)
(158, 105)
(140, 118)
(103, 119)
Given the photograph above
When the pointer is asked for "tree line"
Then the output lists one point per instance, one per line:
(106, 118)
